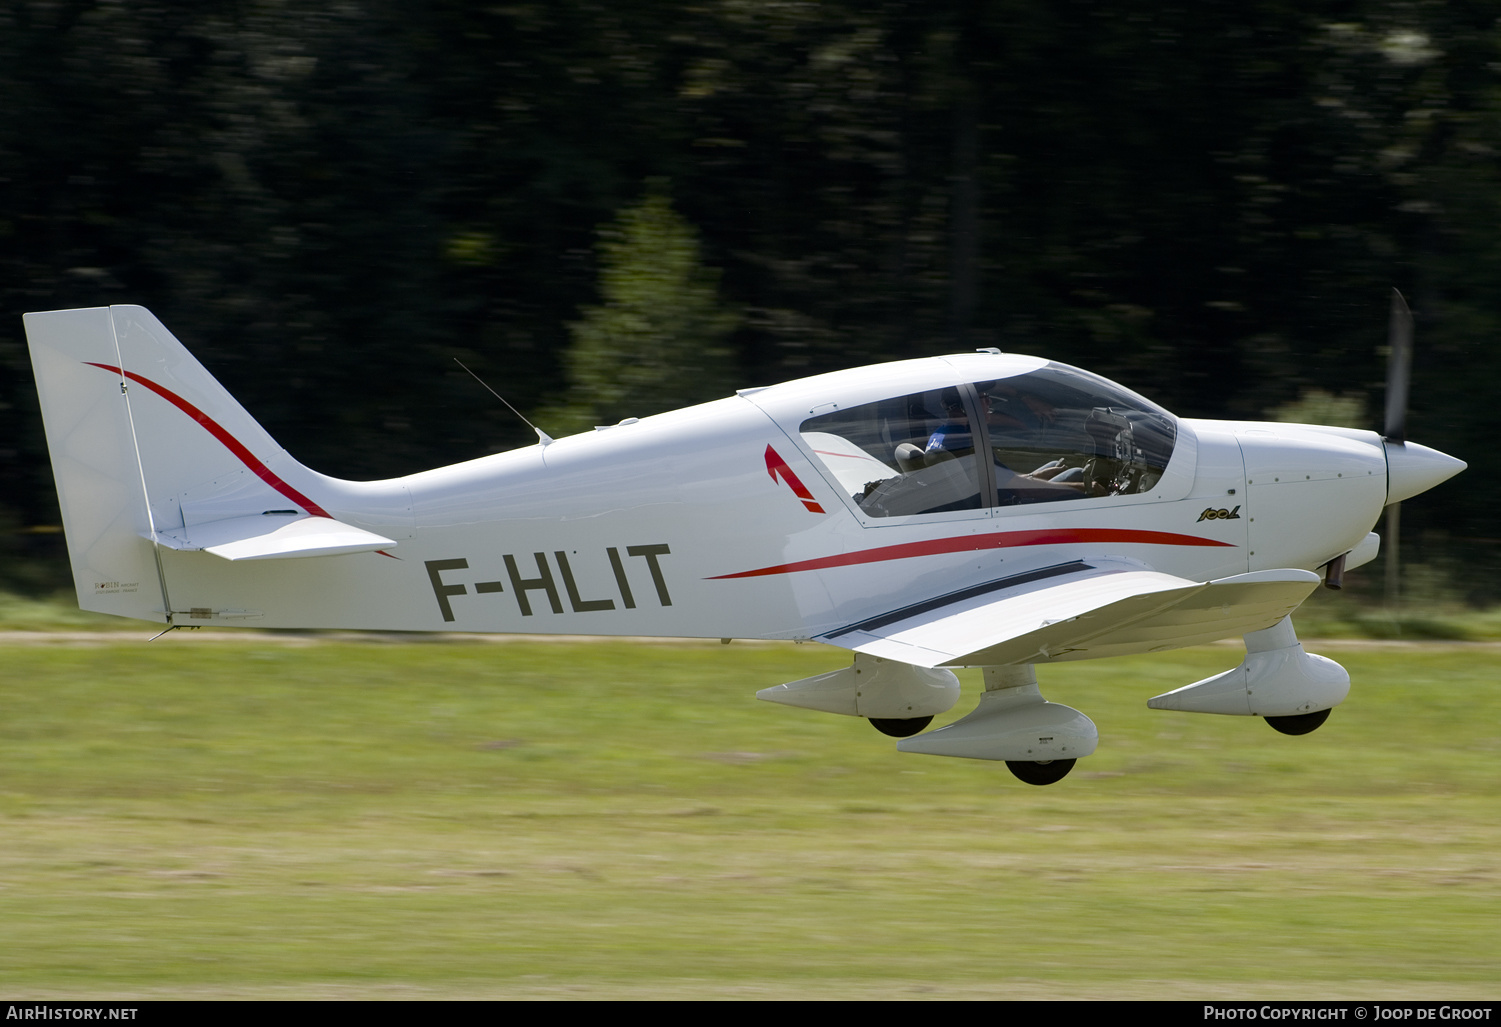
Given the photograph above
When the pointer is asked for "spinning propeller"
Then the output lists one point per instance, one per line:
(1410, 468)
(1398, 370)
(1398, 374)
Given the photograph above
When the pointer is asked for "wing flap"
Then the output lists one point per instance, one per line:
(1077, 611)
(273, 536)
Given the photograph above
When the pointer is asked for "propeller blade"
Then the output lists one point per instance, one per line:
(1398, 369)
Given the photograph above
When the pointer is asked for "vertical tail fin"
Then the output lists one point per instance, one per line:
(120, 397)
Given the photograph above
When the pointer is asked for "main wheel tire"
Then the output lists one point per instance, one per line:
(1299, 723)
(1044, 772)
(898, 727)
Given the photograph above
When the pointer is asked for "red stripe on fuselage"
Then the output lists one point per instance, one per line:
(231, 443)
(971, 543)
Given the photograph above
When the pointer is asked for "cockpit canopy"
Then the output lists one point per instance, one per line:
(1052, 434)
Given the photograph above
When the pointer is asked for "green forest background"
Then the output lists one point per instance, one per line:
(616, 208)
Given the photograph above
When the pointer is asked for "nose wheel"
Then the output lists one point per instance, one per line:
(1040, 772)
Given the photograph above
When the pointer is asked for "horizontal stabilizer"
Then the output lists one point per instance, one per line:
(1083, 610)
(274, 536)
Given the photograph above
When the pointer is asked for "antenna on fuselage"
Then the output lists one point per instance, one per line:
(542, 436)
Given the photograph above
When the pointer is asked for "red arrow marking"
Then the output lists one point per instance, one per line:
(777, 468)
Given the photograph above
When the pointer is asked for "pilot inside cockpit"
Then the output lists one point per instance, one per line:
(1073, 431)
(1007, 406)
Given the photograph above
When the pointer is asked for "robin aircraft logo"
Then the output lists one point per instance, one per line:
(1211, 514)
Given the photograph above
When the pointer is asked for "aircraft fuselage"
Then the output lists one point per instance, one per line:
(691, 523)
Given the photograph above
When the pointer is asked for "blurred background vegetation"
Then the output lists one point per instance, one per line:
(606, 209)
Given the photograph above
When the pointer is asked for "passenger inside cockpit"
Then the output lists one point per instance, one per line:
(954, 434)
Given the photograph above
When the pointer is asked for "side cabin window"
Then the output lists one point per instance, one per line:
(906, 455)
(1051, 435)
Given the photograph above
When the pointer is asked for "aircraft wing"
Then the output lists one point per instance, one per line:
(1074, 611)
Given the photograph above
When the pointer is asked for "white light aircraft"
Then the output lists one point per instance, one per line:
(980, 510)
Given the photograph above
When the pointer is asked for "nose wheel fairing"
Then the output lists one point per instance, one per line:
(1276, 679)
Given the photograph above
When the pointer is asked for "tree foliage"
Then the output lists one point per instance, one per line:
(660, 338)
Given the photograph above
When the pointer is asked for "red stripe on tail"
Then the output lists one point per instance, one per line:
(231, 443)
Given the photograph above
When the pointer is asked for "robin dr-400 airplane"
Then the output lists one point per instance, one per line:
(980, 510)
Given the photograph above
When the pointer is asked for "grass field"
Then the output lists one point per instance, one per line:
(281, 817)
